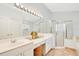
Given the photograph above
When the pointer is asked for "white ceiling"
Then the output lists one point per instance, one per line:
(57, 7)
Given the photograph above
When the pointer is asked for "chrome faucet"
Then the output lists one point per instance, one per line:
(12, 40)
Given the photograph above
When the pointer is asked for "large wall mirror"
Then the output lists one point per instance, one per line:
(14, 22)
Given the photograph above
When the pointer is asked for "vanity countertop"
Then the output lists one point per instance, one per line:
(42, 37)
(5, 44)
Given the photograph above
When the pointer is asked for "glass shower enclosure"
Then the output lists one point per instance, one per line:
(60, 35)
(63, 32)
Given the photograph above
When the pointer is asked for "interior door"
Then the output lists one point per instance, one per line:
(60, 34)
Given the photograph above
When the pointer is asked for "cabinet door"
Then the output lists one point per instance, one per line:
(13, 52)
(27, 50)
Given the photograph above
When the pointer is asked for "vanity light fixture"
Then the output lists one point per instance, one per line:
(18, 5)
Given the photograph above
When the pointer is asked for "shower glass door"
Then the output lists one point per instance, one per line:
(60, 35)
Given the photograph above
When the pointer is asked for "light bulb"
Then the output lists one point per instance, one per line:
(34, 13)
(17, 4)
(28, 10)
(21, 6)
(25, 9)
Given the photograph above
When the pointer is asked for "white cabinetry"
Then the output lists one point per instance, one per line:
(13, 52)
(28, 53)
(48, 45)
(26, 50)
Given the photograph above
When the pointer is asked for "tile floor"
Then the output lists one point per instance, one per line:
(62, 52)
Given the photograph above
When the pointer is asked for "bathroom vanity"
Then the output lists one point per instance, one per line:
(25, 47)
